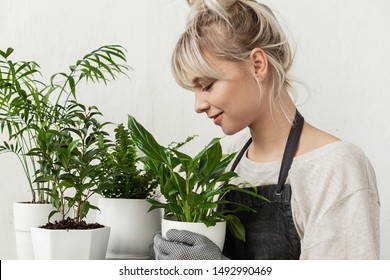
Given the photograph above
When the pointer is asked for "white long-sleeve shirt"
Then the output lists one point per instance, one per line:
(334, 202)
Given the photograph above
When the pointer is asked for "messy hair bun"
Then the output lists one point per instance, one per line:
(207, 3)
(220, 7)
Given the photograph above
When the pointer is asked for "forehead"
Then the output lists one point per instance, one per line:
(199, 80)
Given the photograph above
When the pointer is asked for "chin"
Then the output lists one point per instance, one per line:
(231, 131)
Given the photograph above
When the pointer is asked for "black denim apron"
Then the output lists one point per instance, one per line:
(270, 232)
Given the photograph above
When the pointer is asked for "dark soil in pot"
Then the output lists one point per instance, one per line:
(71, 224)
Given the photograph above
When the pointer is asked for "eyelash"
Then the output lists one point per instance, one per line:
(208, 87)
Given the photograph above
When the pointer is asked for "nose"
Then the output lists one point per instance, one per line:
(201, 103)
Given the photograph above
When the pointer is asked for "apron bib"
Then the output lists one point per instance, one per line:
(270, 232)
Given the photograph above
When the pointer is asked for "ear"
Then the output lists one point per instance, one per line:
(259, 61)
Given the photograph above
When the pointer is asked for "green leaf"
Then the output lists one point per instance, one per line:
(194, 199)
(183, 159)
(211, 157)
(72, 85)
(173, 192)
(43, 179)
(207, 205)
(84, 209)
(225, 177)
(7, 53)
(146, 142)
(175, 208)
(171, 186)
(73, 145)
(247, 191)
(155, 204)
(90, 155)
(51, 214)
(236, 227)
(197, 158)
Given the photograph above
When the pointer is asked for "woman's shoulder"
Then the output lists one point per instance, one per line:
(320, 145)
(313, 138)
(339, 163)
(338, 151)
(324, 157)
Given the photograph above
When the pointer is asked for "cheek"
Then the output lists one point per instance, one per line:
(241, 97)
(247, 108)
(250, 99)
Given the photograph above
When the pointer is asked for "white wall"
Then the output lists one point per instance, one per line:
(341, 55)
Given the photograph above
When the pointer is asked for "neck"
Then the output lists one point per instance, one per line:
(270, 133)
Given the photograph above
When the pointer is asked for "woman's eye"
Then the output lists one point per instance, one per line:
(208, 87)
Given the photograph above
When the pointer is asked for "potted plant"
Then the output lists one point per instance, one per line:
(29, 108)
(125, 186)
(20, 114)
(74, 175)
(193, 187)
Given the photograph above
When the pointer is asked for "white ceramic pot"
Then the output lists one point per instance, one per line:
(132, 226)
(89, 244)
(27, 215)
(214, 233)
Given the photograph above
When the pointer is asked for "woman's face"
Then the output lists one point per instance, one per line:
(233, 103)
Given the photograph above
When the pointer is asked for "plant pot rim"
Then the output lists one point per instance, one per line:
(118, 198)
(31, 203)
(71, 230)
(173, 219)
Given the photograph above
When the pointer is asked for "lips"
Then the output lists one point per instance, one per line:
(217, 119)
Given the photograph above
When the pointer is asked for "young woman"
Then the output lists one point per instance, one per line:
(236, 59)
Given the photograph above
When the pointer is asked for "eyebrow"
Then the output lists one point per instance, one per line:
(195, 80)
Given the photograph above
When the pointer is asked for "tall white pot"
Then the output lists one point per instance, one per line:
(132, 226)
(82, 244)
(215, 233)
(27, 215)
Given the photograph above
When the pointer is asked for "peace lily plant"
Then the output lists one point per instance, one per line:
(194, 187)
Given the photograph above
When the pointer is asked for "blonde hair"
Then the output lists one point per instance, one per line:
(230, 30)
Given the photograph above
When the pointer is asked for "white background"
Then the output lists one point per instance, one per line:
(341, 55)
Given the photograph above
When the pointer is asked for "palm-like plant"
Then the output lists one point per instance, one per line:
(38, 117)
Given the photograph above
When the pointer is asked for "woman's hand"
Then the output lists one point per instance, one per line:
(185, 245)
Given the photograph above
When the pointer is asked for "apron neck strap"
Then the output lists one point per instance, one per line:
(289, 151)
(241, 153)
